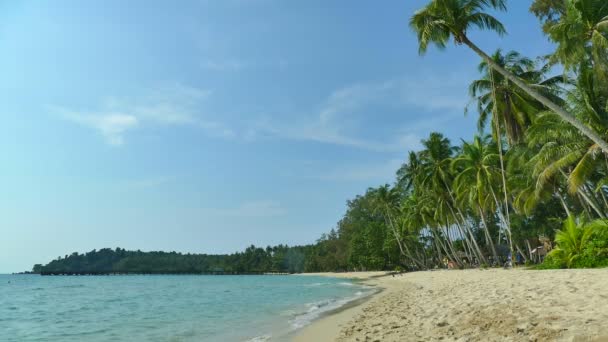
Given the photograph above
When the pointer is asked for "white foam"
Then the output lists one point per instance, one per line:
(315, 284)
(343, 283)
(316, 309)
(262, 338)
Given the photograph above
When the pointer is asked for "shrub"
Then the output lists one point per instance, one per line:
(579, 245)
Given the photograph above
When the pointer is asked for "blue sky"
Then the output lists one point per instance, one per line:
(206, 126)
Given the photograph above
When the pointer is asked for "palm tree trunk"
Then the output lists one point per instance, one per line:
(507, 219)
(522, 253)
(449, 244)
(394, 231)
(405, 252)
(468, 248)
(563, 202)
(596, 202)
(565, 115)
(591, 203)
(505, 222)
(481, 257)
(603, 196)
(440, 244)
(529, 249)
(487, 231)
(470, 238)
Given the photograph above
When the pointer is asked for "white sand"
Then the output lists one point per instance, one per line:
(475, 305)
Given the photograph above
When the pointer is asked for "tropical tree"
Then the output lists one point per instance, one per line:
(433, 180)
(510, 109)
(478, 174)
(564, 151)
(441, 20)
(582, 32)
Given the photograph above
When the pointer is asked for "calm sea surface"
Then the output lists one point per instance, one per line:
(165, 308)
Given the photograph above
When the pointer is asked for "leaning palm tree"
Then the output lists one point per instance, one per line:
(562, 151)
(387, 202)
(508, 107)
(440, 20)
(477, 176)
(434, 177)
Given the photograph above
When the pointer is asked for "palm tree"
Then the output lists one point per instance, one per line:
(442, 19)
(477, 175)
(582, 32)
(527, 192)
(435, 179)
(387, 201)
(562, 151)
(509, 107)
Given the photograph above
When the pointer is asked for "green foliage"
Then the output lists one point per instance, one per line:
(280, 258)
(580, 245)
(548, 11)
(441, 19)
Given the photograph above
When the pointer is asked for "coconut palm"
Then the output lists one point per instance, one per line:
(441, 20)
(478, 173)
(435, 162)
(582, 31)
(407, 173)
(510, 108)
(563, 150)
(387, 202)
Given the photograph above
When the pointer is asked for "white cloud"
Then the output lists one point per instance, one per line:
(174, 104)
(332, 135)
(112, 126)
(249, 210)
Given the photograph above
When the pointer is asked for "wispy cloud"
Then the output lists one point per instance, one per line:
(351, 109)
(173, 104)
(112, 126)
(251, 209)
(330, 134)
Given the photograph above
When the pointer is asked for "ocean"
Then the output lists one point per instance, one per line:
(166, 307)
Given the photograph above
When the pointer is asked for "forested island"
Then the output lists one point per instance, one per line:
(325, 255)
(278, 259)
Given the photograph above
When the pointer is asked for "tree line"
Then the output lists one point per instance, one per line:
(254, 260)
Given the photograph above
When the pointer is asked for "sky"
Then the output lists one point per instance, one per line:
(207, 126)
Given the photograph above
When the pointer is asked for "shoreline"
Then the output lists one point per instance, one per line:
(328, 326)
(472, 305)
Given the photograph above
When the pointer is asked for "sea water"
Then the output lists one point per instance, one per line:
(166, 308)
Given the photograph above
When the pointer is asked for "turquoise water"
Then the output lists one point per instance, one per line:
(165, 308)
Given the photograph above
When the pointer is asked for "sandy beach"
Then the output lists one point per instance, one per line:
(473, 305)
